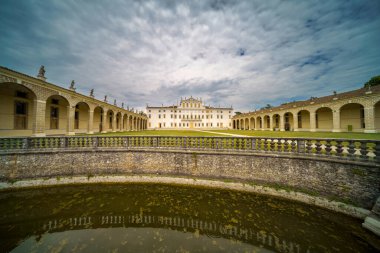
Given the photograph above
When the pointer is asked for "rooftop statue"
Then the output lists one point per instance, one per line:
(72, 85)
(41, 73)
(92, 93)
(105, 98)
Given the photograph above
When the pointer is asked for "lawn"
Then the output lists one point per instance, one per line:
(162, 133)
(248, 133)
(302, 134)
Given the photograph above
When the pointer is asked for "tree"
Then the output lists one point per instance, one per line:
(237, 113)
(373, 81)
(268, 106)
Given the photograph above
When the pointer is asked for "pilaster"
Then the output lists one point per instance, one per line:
(369, 119)
(90, 122)
(39, 114)
(70, 120)
(336, 120)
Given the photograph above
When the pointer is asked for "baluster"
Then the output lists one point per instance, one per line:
(265, 141)
(286, 146)
(328, 147)
(351, 150)
(318, 147)
(339, 148)
(272, 145)
(308, 146)
(363, 150)
(294, 146)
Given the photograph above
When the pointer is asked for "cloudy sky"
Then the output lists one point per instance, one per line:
(241, 53)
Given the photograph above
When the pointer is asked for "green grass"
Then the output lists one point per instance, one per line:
(302, 134)
(161, 133)
(248, 133)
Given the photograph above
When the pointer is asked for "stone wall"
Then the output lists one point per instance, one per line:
(351, 182)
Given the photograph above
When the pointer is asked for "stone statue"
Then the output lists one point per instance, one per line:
(92, 93)
(105, 98)
(122, 105)
(72, 85)
(41, 72)
(114, 102)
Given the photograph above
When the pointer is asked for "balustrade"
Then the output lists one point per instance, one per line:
(359, 150)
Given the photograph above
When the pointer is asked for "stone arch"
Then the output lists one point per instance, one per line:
(303, 120)
(109, 126)
(81, 117)
(352, 117)
(246, 124)
(118, 121)
(237, 124)
(252, 123)
(259, 122)
(98, 120)
(276, 119)
(130, 123)
(17, 109)
(57, 115)
(125, 122)
(324, 119)
(266, 122)
(288, 121)
(241, 124)
(134, 123)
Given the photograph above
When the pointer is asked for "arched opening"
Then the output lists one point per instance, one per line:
(238, 124)
(324, 119)
(130, 124)
(16, 110)
(352, 117)
(98, 120)
(259, 123)
(246, 124)
(266, 122)
(276, 122)
(252, 123)
(377, 117)
(134, 123)
(125, 122)
(56, 115)
(242, 124)
(288, 121)
(303, 120)
(81, 117)
(233, 124)
(109, 120)
(118, 121)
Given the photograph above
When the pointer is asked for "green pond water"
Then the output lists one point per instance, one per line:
(163, 218)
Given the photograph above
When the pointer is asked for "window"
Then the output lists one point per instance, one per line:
(159, 116)
(21, 115)
(164, 115)
(149, 116)
(54, 117)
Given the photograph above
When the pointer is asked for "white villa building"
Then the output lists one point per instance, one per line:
(190, 113)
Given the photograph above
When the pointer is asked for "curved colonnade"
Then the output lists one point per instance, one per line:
(33, 107)
(357, 111)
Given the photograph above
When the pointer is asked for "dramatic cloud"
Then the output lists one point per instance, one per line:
(240, 53)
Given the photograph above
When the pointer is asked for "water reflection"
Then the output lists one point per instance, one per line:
(148, 218)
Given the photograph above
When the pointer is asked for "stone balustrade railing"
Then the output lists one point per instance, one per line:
(346, 149)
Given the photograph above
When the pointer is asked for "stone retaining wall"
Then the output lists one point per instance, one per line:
(354, 183)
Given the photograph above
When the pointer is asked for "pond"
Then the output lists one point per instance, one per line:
(164, 218)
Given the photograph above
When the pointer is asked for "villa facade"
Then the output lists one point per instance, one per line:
(356, 111)
(190, 113)
(31, 106)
